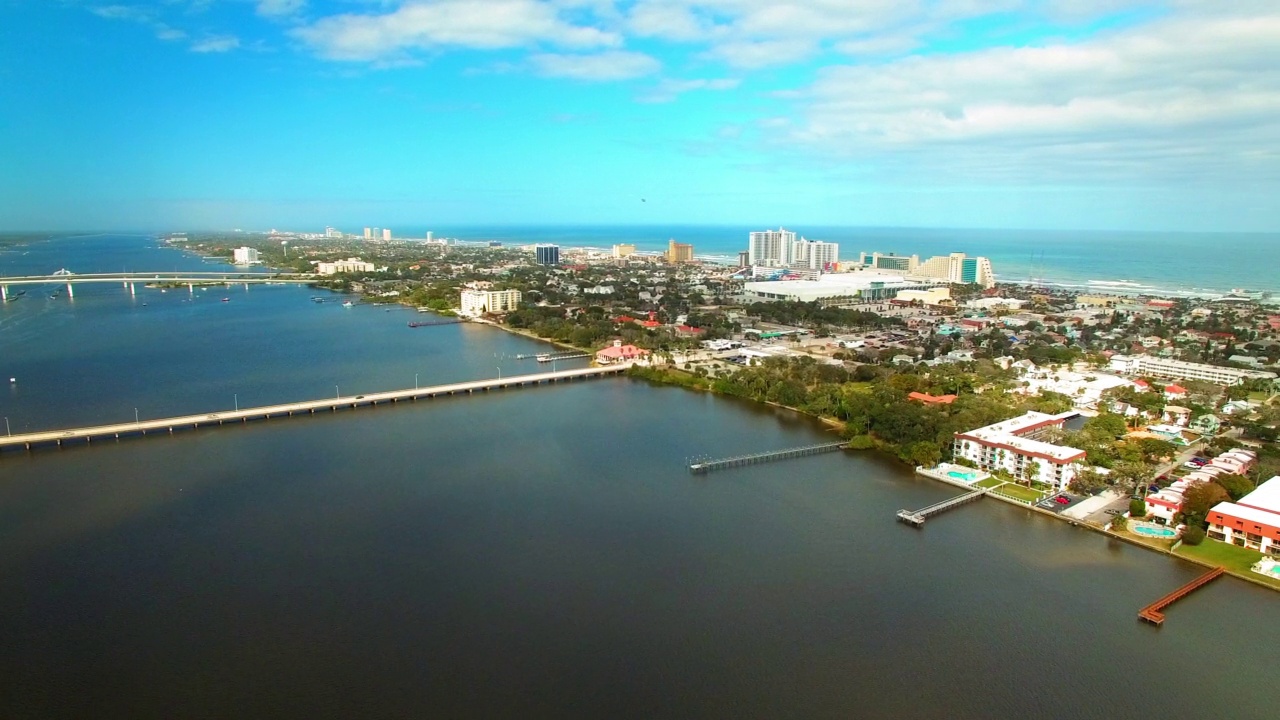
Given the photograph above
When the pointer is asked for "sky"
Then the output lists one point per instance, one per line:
(301, 114)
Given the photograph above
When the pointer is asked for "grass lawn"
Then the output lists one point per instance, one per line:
(1229, 556)
(1020, 492)
(858, 386)
(989, 482)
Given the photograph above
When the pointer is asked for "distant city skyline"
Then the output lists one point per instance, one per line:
(1057, 114)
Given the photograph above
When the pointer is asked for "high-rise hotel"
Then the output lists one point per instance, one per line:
(780, 248)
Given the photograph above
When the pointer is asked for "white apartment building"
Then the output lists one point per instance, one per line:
(814, 254)
(245, 256)
(350, 265)
(1011, 446)
(479, 302)
(770, 247)
(780, 248)
(386, 234)
(1182, 370)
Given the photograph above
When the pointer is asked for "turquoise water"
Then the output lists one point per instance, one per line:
(1154, 532)
(962, 475)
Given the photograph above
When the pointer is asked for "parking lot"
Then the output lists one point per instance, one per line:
(1059, 502)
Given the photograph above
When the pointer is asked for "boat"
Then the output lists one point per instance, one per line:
(544, 358)
(347, 304)
(226, 299)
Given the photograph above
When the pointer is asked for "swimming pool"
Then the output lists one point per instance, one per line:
(1155, 531)
(966, 476)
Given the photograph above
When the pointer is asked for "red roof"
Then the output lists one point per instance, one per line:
(651, 323)
(624, 319)
(621, 352)
(1141, 383)
(932, 399)
(689, 329)
(1175, 390)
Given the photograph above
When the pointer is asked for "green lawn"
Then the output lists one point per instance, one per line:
(989, 482)
(1231, 557)
(1020, 492)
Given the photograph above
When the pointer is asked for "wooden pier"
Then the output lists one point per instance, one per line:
(1152, 614)
(706, 466)
(916, 518)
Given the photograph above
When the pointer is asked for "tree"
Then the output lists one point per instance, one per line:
(1193, 535)
(1237, 486)
(1198, 499)
(1119, 524)
(1137, 508)
(1087, 482)
(1105, 426)
(1131, 475)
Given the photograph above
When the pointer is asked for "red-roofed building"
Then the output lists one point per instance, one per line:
(624, 319)
(689, 330)
(620, 353)
(1162, 304)
(1174, 392)
(928, 399)
(651, 324)
(1141, 385)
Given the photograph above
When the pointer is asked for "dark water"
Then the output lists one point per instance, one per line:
(544, 553)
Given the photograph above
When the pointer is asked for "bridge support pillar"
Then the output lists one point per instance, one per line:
(191, 288)
(133, 290)
(71, 294)
(4, 293)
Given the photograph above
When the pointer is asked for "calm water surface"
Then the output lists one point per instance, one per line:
(534, 553)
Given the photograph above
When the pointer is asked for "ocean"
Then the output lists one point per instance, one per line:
(1192, 264)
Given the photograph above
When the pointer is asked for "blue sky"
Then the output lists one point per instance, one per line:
(1107, 114)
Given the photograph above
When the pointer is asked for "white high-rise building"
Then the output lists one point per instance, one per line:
(770, 247)
(386, 234)
(245, 256)
(814, 254)
(780, 248)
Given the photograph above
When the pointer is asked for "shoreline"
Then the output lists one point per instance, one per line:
(836, 424)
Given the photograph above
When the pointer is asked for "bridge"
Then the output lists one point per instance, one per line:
(130, 279)
(169, 425)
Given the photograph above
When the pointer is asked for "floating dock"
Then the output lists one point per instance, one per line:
(1152, 614)
(916, 518)
(706, 466)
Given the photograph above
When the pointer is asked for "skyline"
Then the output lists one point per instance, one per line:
(1079, 114)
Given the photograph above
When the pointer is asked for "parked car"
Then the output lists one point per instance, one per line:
(1062, 500)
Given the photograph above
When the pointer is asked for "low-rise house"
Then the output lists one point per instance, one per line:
(620, 353)
(928, 399)
(1176, 415)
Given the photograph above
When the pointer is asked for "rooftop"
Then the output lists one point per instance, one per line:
(1265, 497)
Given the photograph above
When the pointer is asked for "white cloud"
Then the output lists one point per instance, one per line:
(280, 8)
(1186, 95)
(478, 24)
(216, 44)
(168, 34)
(613, 65)
(753, 54)
(668, 90)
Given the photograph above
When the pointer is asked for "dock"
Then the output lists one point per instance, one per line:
(169, 425)
(916, 518)
(1152, 614)
(706, 466)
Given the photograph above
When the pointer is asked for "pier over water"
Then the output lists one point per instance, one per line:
(28, 441)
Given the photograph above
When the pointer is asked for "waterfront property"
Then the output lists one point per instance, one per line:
(837, 288)
(479, 302)
(1252, 522)
(1011, 446)
(619, 353)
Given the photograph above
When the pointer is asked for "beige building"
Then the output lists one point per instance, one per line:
(679, 252)
(932, 296)
(479, 302)
(621, 251)
(350, 265)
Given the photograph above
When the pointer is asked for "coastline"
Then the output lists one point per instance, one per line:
(836, 424)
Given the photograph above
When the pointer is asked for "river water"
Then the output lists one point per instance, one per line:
(532, 553)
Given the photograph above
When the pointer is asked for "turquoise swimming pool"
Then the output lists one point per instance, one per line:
(966, 476)
(1154, 531)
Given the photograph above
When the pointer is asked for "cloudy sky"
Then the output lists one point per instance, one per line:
(1106, 114)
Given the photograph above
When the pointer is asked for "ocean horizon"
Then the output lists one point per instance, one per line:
(1156, 262)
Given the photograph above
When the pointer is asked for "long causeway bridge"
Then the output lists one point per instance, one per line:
(129, 280)
(28, 441)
